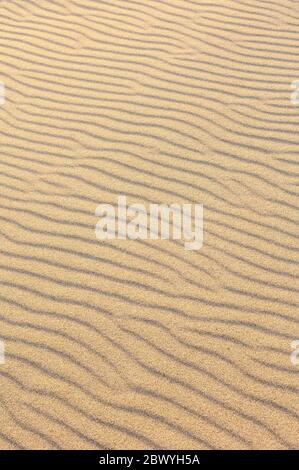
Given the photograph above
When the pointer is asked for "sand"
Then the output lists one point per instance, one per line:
(126, 344)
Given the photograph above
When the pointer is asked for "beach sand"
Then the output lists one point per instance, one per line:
(141, 344)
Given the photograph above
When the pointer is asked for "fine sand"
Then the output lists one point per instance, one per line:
(127, 344)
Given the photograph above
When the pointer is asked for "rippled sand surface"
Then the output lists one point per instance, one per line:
(141, 344)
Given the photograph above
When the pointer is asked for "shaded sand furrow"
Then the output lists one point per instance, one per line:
(141, 344)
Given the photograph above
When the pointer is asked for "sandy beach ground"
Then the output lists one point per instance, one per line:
(141, 344)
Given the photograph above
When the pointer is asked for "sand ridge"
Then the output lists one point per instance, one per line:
(140, 344)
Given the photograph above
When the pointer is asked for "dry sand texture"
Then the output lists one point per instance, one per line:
(141, 344)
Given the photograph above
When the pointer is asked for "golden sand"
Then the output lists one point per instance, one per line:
(141, 344)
